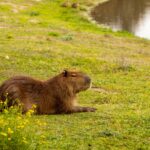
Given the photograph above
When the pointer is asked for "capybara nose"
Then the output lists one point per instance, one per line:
(87, 79)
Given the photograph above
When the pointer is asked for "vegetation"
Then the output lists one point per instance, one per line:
(40, 38)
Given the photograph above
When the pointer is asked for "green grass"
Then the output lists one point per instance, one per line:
(42, 38)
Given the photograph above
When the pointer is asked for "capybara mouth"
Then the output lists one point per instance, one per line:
(87, 86)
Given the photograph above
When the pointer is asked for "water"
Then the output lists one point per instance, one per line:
(128, 15)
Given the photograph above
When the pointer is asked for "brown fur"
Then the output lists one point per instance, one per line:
(56, 95)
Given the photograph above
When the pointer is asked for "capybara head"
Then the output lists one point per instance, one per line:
(77, 80)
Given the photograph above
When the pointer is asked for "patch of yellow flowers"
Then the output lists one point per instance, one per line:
(31, 111)
(18, 126)
(8, 133)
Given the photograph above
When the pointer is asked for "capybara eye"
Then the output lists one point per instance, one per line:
(73, 75)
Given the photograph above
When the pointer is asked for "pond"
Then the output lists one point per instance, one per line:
(128, 15)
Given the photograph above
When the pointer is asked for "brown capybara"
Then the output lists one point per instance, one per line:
(54, 96)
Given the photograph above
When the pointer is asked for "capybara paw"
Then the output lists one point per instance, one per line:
(91, 109)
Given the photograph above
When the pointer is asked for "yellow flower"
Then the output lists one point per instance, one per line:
(43, 142)
(25, 122)
(5, 103)
(34, 106)
(11, 107)
(10, 131)
(19, 118)
(29, 113)
(24, 140)
(4, 134)
(43, 136)
(20, 126)
(2, 121)
(44, 123)
(5, 111)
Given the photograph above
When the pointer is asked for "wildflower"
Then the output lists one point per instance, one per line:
(43, 136)
(34, 106)
(6, 57)
(39, 123)
(9, 139)
(18, 117)
(10, 131)
(26, 121)
(5, 111)
(20, 126)
(24, 140)
(44, 123)
(29, 113)
(2, 121)
(11, 107)
(4, 134)
(43, 142)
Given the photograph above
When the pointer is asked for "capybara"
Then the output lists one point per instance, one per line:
(54, 96)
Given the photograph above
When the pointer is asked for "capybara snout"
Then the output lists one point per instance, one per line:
(87, 79)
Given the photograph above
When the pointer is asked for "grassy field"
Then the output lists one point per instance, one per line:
(40, 38)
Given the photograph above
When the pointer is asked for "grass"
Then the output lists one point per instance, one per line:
(40, 39)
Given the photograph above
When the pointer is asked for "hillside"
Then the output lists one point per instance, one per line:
(40, 38)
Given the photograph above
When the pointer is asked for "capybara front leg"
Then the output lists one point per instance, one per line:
(77, 109)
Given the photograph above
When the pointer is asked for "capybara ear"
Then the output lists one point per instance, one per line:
(65, 73)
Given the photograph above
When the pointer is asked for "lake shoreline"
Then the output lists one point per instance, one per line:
(116, 17)
(89, 17)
